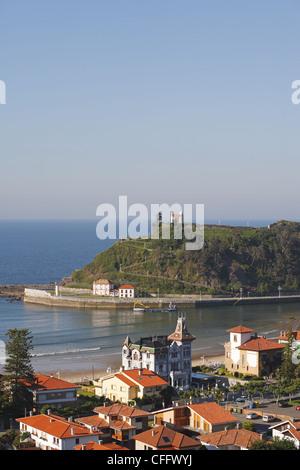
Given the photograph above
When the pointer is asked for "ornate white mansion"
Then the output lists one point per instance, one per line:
(168, 356)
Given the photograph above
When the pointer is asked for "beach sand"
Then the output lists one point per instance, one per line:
(88, 375)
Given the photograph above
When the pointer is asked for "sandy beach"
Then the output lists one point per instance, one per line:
(88, 375)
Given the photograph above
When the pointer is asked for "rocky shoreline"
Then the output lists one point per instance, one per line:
(14, 292)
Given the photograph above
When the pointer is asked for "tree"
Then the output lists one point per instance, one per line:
(287, 368)
(260, 445)
(18, 371)
(283, 444)
(249, 425)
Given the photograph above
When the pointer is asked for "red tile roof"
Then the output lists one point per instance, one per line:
(147, 378)
(44, 382)
(229, 437)
(284, 335)
(94, 421)
(260, 344)
(121, 425)
(56, 426)
(93, 446)
(125, 380)
(121, 410)
(213, 413)
(164, 438)
(126, 287)
(240, 329)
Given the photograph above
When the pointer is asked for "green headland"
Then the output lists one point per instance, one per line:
(257, 260)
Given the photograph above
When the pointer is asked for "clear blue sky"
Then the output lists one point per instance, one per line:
(160, 100)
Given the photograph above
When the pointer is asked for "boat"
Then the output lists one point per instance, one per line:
(138, 307)
(172, 307)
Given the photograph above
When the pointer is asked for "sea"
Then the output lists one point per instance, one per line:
(86, 341)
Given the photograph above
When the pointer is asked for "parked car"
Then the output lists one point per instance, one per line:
(240, 400)
(268, 418)
(252, 416)
(298, 408)
(282, 404)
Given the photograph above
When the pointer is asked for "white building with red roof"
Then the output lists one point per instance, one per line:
(287, 429)
(127, 291)
(230, 439)
(50, 432)
(250, 354)
(127, 385)
(49, 390)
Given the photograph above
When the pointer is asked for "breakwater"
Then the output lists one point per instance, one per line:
(43, 297)
(16, 291)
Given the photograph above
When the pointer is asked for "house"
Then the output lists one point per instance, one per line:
(49, 390)
(168, 356)
(102, 287)
(126, 291)
(283, 338)
(127, 385)
(124, 421)
(112, 446)
(251, 354)
(94, 422)
(229, 439)
(50, 432)
(202, 417)
(164, 439)
(287, 429)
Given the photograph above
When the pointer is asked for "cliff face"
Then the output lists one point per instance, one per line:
(255, 259)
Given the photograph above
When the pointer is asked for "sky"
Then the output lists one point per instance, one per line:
(163, 101)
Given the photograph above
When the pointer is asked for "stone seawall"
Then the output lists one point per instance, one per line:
(37, 296)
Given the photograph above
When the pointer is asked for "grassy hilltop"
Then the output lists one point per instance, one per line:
(255, 259)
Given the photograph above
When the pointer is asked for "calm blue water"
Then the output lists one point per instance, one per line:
(78, 340)
(39, 252)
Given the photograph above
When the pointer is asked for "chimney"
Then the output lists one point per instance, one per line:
(70, 419)
(48, 412)
(140, 371)
(73, 431)
(153, 432)
(100, 442)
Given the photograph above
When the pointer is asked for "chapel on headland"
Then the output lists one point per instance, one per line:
(168, 356)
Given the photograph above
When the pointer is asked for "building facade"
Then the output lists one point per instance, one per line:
(128, 385)
(168, 356)
(250, 354)
(102, 287)
(127, 291)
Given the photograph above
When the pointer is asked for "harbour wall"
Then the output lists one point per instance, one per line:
(37, 296)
